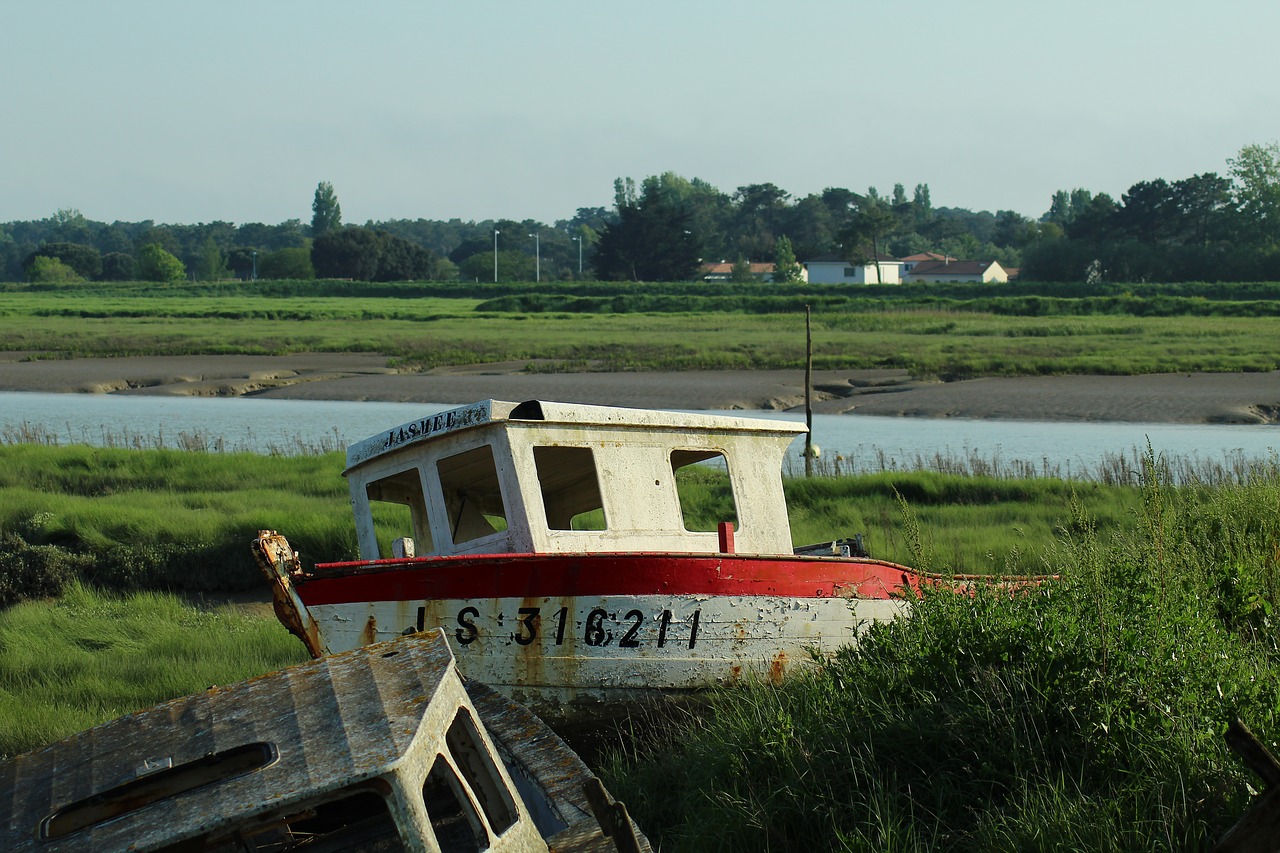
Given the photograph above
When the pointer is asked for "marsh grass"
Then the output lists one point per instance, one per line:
(159, 519)
(936, 331)
(175, 519)
(88, 657)
(1082, 714)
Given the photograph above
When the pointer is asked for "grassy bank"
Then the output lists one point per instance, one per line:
(948, 331)
(1083, 714)
(89, 657)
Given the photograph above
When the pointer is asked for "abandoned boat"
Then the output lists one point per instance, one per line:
(552, 544)
(379, 749)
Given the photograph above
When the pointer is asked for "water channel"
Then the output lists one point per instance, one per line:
(859, 442)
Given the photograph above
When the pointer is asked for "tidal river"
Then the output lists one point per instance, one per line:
(853, 442)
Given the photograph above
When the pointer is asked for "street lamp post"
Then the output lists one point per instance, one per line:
(496, 232)
(537, 257)
(255, 266)
(578, 240)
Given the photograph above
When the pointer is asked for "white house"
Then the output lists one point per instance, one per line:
(949, 270)
(834, 269)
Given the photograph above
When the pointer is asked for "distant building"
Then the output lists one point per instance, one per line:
(949, 270)
(834, 269)
(723, 271)
(910, 261)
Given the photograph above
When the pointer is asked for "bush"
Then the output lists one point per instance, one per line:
(156, 264)
(33, 571)
(51, 271)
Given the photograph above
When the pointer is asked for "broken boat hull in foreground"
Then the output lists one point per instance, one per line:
(382, 748)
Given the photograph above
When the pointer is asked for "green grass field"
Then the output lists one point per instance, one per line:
(619, 326)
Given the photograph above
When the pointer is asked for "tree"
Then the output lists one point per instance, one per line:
(287, 264)
(785, 268)
(157, 264)
(871, 225)
(651, 241)
(761, 216)
(1095, 221)
(513, 265)
(1256, 170)
(118, 266)
(85, 260)
(49, 270)
(921, 206)
(1204, 202)
(363, 254)
(326, 213)
(211, 264)
(401, 260)
(346, 253)
(1012, 229)
(1149, 213)
(740, 272)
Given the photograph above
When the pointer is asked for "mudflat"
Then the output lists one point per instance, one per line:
(1154, 398)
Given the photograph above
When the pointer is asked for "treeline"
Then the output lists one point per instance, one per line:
(1202, 228)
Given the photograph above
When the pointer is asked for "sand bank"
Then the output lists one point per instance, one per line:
(1160, 398)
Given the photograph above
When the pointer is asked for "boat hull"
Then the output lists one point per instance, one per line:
(567, 634)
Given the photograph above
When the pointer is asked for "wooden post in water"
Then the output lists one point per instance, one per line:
(808, 391)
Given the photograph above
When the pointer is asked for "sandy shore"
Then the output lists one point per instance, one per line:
(1161, 398)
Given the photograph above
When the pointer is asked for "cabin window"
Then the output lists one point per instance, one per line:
(152, 787)
(399, 510)
(355, 820)
(476, 765)
(570, 488)
(454, 821)
(704, 488)
(472, 494)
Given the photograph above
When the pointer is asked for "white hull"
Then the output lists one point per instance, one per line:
(557, 652)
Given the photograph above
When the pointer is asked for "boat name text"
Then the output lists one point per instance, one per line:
(598, 627)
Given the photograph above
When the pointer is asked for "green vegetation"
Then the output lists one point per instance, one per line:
(932, 331)
(159, 519)
(89, 657)
(1082, 714)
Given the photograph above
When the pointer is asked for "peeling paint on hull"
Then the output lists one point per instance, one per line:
(556, 652)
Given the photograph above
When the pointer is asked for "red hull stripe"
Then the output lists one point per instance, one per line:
(561, 575)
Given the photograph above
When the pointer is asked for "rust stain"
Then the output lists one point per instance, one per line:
(777, 667)
(280, 563)
(370, 633)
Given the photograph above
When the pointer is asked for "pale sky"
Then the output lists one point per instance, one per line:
(186, 112)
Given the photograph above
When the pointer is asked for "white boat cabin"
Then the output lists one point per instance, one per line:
(539, 477)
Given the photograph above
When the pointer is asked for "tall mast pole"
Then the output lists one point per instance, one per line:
(808, 392)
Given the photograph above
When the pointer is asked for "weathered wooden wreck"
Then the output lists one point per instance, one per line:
(382, 748)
